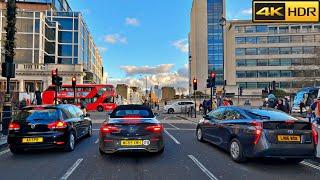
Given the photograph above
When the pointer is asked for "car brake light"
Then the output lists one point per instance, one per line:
(58, 125)
(155, 128)
(14, 126)
(315, 135)
(107, 129)
(258, 131)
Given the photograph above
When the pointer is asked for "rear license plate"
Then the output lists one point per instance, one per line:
(131, 143)
(288, 138)
(32, 140)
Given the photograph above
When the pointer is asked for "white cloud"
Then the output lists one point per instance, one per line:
(137, 70)
(102, 49)
(182, 45)
(246, 11)
(115, 39)
(132, 21)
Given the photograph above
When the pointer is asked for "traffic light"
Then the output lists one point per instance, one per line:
(8, 70)
(195, 84)
(74, 82)
(211, 81)
(54, 75)
(59, 81)
(240, 91)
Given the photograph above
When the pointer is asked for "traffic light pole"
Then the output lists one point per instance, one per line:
(211, 96)
(195, 104)
(238, 96)
(56, 95)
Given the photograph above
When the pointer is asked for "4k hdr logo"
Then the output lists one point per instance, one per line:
(286, 11)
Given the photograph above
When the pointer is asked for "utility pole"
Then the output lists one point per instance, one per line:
(8, 67)
(195, 88)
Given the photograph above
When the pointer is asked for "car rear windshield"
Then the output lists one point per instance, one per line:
(269, 115)
(132, 113)
(47, 115)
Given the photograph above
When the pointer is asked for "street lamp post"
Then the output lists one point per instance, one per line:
(223, 23)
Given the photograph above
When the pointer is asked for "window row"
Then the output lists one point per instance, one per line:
(277, 74)
(277, 62)
(281, 85)
(277, 29)
(278, 39)
(275, 51)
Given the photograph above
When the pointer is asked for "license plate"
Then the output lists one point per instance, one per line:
(32, 140)
(287, 138)
(131, 143)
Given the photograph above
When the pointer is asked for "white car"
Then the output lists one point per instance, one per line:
(178, 107)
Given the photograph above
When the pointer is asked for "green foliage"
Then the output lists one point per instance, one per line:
(10, 30)
(280, 93)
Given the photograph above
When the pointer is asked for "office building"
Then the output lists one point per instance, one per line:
(206, 42)
(168, 93)
(49, 36)
(258, 54)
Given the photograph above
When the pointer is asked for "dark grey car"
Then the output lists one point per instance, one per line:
(248, 132)
(131, 128)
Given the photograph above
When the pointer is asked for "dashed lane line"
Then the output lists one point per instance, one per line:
(310, 165)
(4, 152)
(172, 137)
(96, 142)
(203, 168)
(71, 170)
(173, 126)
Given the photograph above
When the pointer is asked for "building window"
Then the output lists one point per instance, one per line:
(241, 74)
(251, 40)
(263, 51)
(307, 28)
(239, 29)
(262, 62)
(273, 39)
(308, 50)
(250, 29)
(251, 85)
(295, 29)
(240, 52)
(240, 40)
(262, 74)
(241, 62)
(23, 56)
(285, 62)
(252, 62)
(65, 50)
(285, 85)
(262, 40)
(308, 38)
(274, 74)
(317, 28)
(283, 29)
(24, 40)
(261, 28)
(65, 23)
(286, 74)
(273, 51)
(296, 39)
(285, 50)
(274, 62)
(262, 85)
(284, 39)
(251, 74)
(251, 51)
(242, 85)
(273, 30)
(65, 37)
(297, 50)
(296, 62)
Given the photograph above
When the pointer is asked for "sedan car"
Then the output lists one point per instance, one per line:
(131, 128)
(42, 127)
(248, 132)
(178, 107)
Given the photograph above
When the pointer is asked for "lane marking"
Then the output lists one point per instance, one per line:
(72, 168)
(204, 169)
(173, 138)
(173, 126)
(96, 142)
(310, 165)
(4, 152)
(174, 129)
(186, 120)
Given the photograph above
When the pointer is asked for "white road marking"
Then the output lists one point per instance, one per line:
(173, 126)
(174, 129)
(72, 168)
(310, 165)
(4, 152)
(186, 120)
(204, 169)
(96, 142)
(173, 138)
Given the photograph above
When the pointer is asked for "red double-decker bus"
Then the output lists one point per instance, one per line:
(100, 97)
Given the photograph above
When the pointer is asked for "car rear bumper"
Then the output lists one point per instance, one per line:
(54, 140)
(113, 145)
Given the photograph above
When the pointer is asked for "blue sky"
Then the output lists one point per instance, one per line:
(144, 32)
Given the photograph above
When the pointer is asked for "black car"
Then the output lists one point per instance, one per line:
(43, 127)
(131, 128)
(248, 132)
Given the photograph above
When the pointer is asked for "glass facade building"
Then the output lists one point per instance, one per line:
(215, 11)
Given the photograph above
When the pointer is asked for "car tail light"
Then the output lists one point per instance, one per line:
(107, 129)
(58, 125)
(155, 128)
(258, 131)
(315, 135)
(14, 126)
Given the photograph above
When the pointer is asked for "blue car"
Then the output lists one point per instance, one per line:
(249, 132)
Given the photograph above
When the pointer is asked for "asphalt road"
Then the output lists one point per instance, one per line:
(184, 157)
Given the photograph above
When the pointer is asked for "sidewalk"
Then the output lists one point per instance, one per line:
(3, 140)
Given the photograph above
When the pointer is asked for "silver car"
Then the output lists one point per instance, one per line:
(131, 128)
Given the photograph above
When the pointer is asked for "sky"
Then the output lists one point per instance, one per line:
(146, 38)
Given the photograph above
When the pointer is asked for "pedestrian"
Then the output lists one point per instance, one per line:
(165, 103)
(247, 102)
(280, 106)
(301, 106)
(83, 106)
(287, 105)
(230, 102)
(265, 103)
(23, 103)
(310, 115)
(204, 106)
(209, 105)
(225, 102)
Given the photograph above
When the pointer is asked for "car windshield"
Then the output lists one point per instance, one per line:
(48, 115)
(132, 112)
(270, 115)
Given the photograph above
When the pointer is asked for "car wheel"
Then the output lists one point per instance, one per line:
(170, 111)
(100, 108)
(16, 150)
(199, 134)
(236, 151)
(294, 160)
(70, 142)
(89, 134)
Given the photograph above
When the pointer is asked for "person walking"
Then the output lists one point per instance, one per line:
(204, 106)
(287, 105)
(301, 105)
(83, 106)
(280, 106)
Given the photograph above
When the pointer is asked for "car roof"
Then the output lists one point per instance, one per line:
(132, 106)
(250, 108)
(59, 106)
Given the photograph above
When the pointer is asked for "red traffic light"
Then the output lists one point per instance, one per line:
(213, 75)
(54, 72)
(74, 79)
(194, 80)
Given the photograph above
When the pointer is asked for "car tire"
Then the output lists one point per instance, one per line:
(89, 133)
(170, 111)
(294, 160)
(199, 134)
(236, 151)
(70, 143)
(15, 150)
(100, 108)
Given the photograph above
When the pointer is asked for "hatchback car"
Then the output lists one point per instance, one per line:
(178, 107)
(248, 132)
(131, 128)
(42, 127)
